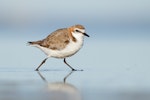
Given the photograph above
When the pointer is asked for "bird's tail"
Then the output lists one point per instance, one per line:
(34, 43)
(30, 43)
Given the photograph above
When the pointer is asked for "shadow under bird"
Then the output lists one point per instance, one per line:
(62, 43)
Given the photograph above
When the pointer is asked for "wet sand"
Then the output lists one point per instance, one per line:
(66, 85)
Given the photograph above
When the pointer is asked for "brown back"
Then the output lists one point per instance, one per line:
(56, 40)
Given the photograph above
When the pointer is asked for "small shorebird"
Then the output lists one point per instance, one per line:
(61, 43)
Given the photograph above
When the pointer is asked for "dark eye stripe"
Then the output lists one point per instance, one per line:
(78, 31)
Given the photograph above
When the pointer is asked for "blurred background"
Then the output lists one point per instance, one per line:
(115, 57)
(106, 21)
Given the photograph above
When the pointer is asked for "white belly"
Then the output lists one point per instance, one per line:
(69, 50)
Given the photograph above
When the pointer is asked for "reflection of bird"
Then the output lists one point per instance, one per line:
(62, 43)
(61, 90)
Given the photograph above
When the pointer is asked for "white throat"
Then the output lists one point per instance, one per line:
(79, 37)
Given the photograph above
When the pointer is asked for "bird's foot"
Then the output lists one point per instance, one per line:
(36, 69)
(77, 69)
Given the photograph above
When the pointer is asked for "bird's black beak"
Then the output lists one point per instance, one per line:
(86, 34)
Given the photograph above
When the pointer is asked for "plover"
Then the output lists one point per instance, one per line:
(61, 43)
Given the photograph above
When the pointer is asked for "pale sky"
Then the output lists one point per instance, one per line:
(92, 11)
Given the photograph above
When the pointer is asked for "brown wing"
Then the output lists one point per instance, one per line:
(56, 40)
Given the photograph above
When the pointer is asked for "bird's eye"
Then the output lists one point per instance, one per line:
(78, 31)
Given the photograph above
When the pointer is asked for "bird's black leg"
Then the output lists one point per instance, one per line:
(69, 65)
(41, 64)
